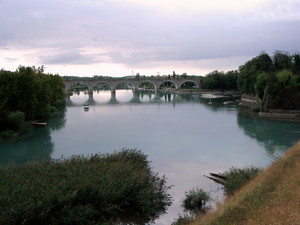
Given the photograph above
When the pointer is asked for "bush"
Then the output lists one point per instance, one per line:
(25, 128)
(16, 119)
(111, 188)
(183, 220)
(7, 134)
(13, 124)
(195, 200)
(236, 178)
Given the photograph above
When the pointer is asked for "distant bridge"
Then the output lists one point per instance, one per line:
(135, 83)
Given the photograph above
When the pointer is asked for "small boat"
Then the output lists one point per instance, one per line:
(86, 107)
(38, 124)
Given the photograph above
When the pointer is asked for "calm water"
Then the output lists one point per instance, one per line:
(185, 136)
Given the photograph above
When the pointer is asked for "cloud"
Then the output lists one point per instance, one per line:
(144, 33)
(11, 59)
(69, 58)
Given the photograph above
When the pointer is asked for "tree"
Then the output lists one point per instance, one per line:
(282, 60)
(264, 63)
(260, 85)
(31, 91)
(296, 63)
(231, 79)
(137, 76)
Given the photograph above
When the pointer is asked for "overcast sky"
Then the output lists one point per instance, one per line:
(124, 37)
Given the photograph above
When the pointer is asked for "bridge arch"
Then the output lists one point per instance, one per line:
(116, 84)
(95, 84)
(168, 81)
(78, 82)
(146, 81)
(188, 81)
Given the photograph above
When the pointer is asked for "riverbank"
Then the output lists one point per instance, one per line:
(208, 91)
(254, 103)
(271, 198)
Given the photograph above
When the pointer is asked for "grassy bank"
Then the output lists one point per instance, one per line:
(273, 197)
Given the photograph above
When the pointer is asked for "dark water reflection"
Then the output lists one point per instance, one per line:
(275, 136)
(185, 136)
(37, 145)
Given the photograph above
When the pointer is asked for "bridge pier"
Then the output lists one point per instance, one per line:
(91, 96)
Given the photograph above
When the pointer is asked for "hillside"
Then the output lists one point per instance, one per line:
(271, 198)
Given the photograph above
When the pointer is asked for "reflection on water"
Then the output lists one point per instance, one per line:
(102, 96)
(37, 145)
(29, 148)
(185, 136)
(275, 136)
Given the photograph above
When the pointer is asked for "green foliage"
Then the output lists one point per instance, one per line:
(8, 134)
(282, 60)
(220, 80)
(12, 124)
(31, 91)
(16, 119)
(193, 203)
(100, 189)
(249, 72)
(183, 220)
(260, 85)
(296, 63)
(276, 78)
(236, 178)
(195, 200)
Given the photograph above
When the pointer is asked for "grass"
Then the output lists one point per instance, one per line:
(236, 178)
(272, 198)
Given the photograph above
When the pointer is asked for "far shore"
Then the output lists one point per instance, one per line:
(252, 102)
(207, 91)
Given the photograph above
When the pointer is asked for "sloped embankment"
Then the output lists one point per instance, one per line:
(273, 197)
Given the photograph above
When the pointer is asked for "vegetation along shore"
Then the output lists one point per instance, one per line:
(119, 188)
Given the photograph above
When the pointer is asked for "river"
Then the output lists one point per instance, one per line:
(185, 136)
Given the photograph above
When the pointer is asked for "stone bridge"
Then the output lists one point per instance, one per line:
(135, 83)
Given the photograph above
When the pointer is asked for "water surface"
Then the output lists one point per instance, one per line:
(185, 136)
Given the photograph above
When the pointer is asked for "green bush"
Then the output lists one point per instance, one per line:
(100, 189)
(195, 200)
(25, 128)
(183, 220)
(236, 178)
(7, 134)
(16, 119)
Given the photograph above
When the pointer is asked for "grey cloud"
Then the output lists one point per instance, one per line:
(69, 58)
(145, 35)
(11, 59)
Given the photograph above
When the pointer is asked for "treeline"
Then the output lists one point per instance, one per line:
(28, 94)
(220, 80)
(275, 80)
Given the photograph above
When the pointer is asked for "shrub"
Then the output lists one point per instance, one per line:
(111, 188)
(25, 128)
(16, 119)
(7, 134)
(183, 219)
(236, 178)
(195, 200)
